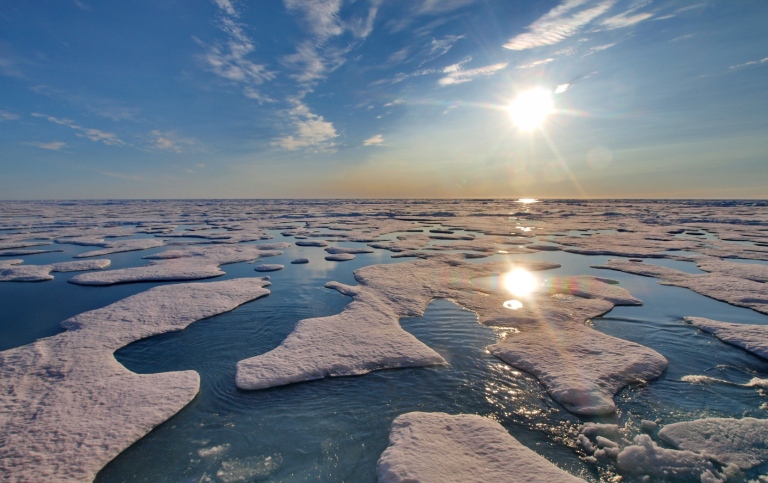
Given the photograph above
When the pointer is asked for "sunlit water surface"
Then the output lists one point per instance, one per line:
(335, 429)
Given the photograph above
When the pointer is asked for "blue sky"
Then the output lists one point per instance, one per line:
(369, 98)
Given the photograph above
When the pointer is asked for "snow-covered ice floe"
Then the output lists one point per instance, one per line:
(751, 338)
(742, 292)
(13, 271)
(192, 263)
(580, 367)
(742, 442)
(465, 448)
(68, 407)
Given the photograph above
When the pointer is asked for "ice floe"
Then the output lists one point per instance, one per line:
(441, 448)
(340, 257)
(68, 407)
(268, 267)
(734, 290)
(580, 367)
(182, 264)
(12, 271)
(728, 441)
(752, 338)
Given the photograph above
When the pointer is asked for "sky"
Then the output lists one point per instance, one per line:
(383, 99)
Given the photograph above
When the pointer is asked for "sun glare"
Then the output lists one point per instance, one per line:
(531, 108)
(519, 282)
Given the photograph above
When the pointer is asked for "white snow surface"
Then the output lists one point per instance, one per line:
(68, 407)
(647, 458)
(191, 263)
(465, 448)
(751, 338)
(728, 441)
(727, 288)
(340, 257)
(580, 367)
(12, 271)
(268, 267)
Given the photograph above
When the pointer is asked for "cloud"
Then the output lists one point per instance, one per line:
(52, 146)
(321, 16)
(457, 75)
(598, 48)
(624, 20)
(563, 21)
(104, 107)
(312, 132)
(750, 63)
(169, 141)
(440, 47)
(8, 116)
(230, 60)
(377, 140)
(95, 135)
(535, 63)
(435, 7)
(562, 88)
(325, 50)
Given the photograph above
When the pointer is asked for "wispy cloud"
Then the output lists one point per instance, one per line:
(170, 141)
(377, 140)
(312, 132)
(456, 74)
(325, 50)
(535, 63)
(563, 21)
(95, 135)
(624, 20)
(750, 63)
(52, 146)
(598, 48)
(8, 116)
(103, 107)
(440, 47)
(9, 64)
(230, 60)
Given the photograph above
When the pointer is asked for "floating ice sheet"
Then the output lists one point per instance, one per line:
(68, 407)
(441, 448)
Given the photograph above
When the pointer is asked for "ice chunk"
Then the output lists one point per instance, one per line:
(441, 448)
(647, 458)
(752, 338)
(728, 441)
(341, 257)
(269, 267)
(185, 264)
(11, 271)
(734, 290)
(68, 407)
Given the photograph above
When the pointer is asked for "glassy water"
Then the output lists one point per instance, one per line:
(335, 429)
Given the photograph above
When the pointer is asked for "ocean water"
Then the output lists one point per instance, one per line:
(336, 428)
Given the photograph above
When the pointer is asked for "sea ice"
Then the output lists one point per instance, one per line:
(68, 407)
(580, 367)
(728, 441)
(269, 267)
(191, 263)
(11, 271)
(441, 448)
(299, 261)
(341, 257)
(752, 338)
(734, 290)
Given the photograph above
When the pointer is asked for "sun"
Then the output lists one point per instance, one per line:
(520, 282)
(531, 108)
